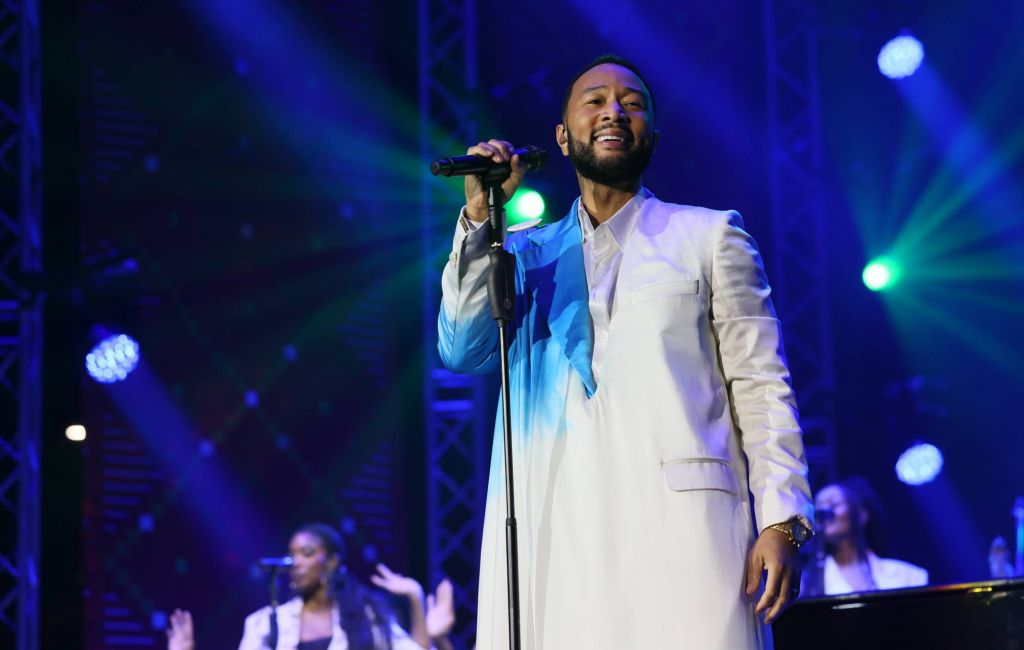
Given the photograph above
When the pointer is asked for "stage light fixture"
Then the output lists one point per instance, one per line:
(881, 273)
(901, 57)
(112, 359)
(75, 433)
(919, 464)
(526, 204)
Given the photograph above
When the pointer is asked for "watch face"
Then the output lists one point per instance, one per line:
(799, 532)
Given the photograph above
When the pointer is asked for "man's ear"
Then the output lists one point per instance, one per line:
(657, 137)
(562, 138)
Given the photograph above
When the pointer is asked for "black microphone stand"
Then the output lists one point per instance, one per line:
(272, 635)
(501, 291)
(816, 587)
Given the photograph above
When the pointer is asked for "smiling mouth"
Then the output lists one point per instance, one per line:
(609, 137)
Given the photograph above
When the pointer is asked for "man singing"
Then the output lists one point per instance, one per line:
(650, 400)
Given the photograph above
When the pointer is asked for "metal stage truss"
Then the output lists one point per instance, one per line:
(458, 414)
(799, 272)
(20, 323)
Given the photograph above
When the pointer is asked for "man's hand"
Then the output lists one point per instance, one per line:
(499, 151)
(775, 553)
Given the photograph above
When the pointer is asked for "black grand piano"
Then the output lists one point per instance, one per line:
(973, 616)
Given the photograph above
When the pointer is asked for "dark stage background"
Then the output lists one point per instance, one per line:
(240, 191)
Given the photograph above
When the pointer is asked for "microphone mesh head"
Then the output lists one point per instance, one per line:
(536, 159)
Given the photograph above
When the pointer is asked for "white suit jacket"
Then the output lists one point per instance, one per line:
(634, 510)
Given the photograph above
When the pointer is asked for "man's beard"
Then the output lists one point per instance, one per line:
(613, 170)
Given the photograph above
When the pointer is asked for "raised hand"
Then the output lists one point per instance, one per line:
(396, 583)
(441, 610)
(180, 635)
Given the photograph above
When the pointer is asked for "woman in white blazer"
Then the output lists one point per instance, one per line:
(849, 515)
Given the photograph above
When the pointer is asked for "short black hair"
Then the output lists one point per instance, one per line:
(601, 60)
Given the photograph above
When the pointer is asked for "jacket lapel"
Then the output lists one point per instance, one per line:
(555, 274)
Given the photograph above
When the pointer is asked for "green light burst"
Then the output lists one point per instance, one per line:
(525, 204)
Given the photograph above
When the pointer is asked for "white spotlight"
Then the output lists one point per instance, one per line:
(75, 433)
(901, 57)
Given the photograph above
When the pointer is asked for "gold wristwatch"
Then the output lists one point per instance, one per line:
(797, 532)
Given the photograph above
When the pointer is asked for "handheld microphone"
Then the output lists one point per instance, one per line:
(534, 157)
(275, 562)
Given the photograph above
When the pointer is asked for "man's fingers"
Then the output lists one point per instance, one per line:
(771, 589)
(755, 567)
(504, 147)
(497, 150)
(518, 166)
(487, 150)
(783, 600)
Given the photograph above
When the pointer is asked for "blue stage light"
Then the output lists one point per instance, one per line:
(158, 620)
(112, 359)
(919, 464)
(901, 57)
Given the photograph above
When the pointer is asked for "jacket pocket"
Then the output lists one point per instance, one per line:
(685, 474)
(662, 289)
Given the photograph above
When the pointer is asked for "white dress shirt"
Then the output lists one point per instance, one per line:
(602, 257)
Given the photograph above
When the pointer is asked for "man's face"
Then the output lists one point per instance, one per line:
(608, 132)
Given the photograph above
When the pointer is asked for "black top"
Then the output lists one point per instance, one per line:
(315, 644)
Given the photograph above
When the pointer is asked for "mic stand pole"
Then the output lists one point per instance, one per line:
(501, 291)
(817, 586)
(272, 636)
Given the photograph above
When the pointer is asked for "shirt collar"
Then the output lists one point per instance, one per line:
(621, 223)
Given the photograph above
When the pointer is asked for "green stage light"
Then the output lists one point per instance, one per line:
(880, 274)
(526, 204)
